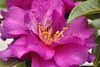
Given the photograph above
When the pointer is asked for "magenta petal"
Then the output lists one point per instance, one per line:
(24, 4)
(78, 28)
(5, 34)
(16, 49)
(40, 48)
(78, 24)
(13, 23)
(69, 5)
(71, 54)
(31, 22)
(76, 3)
(91, 42)
(91, 57)
(42, 12)
(58, 22)
(37, 61)
(33, 44)
(75, 66)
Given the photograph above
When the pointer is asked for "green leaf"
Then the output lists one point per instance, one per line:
(92, 17)
(28, 63)
(21, 65)
(10, 62)
(96, 23)
(84, 8)
(79, 0)
(3, 3)
(96, 51)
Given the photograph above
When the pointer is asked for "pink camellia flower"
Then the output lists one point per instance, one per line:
(41, 33)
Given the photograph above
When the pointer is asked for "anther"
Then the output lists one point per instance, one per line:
(45, 32)
(40, 26)
(44, 28)
(65, 28)
(39, 23)
(62, 35)
(57, 32)
(49, 32)
(49, 36)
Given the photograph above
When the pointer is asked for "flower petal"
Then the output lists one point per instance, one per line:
(40, 48)
(76, 3)
(71, 54)
(37, 61)
(16, 49)
(24, 4)
(91, 42)
(31, 22)
(13, 23)
(69, 5)
(91, 57)
(26, 44)
(78, 29)
(58, 22)
(43, 10)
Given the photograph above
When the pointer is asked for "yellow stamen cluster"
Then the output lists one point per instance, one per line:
(64, 28)
(39, 24)
(46, 35)
(45, 32)
(44, 28)
(57, 32)
(62, 34)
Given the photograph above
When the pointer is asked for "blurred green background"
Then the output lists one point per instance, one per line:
(3, 4)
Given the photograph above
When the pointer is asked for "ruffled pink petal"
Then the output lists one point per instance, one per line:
(58, 22)
(37, 61)
(58, 5)
(16, 49)
(24, 4)
(83, 35)
(40, 48)
(31, 22)
(91, 42)
(43, 11)
(91, 57)
(5, 34)
(74, 66)
(78, 28)
(69, 5)
(76, 3)
(26, 44)
(13, 23)
(71, 54)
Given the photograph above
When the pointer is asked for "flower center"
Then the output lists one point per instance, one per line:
(46, 35)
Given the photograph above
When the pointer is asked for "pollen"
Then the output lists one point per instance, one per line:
(44, 28)
(64, 28)
(57, 32)
(40, 26)
(62, 35)
(50, 33)
(49, 36)
(39, 23)
(45, 32)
